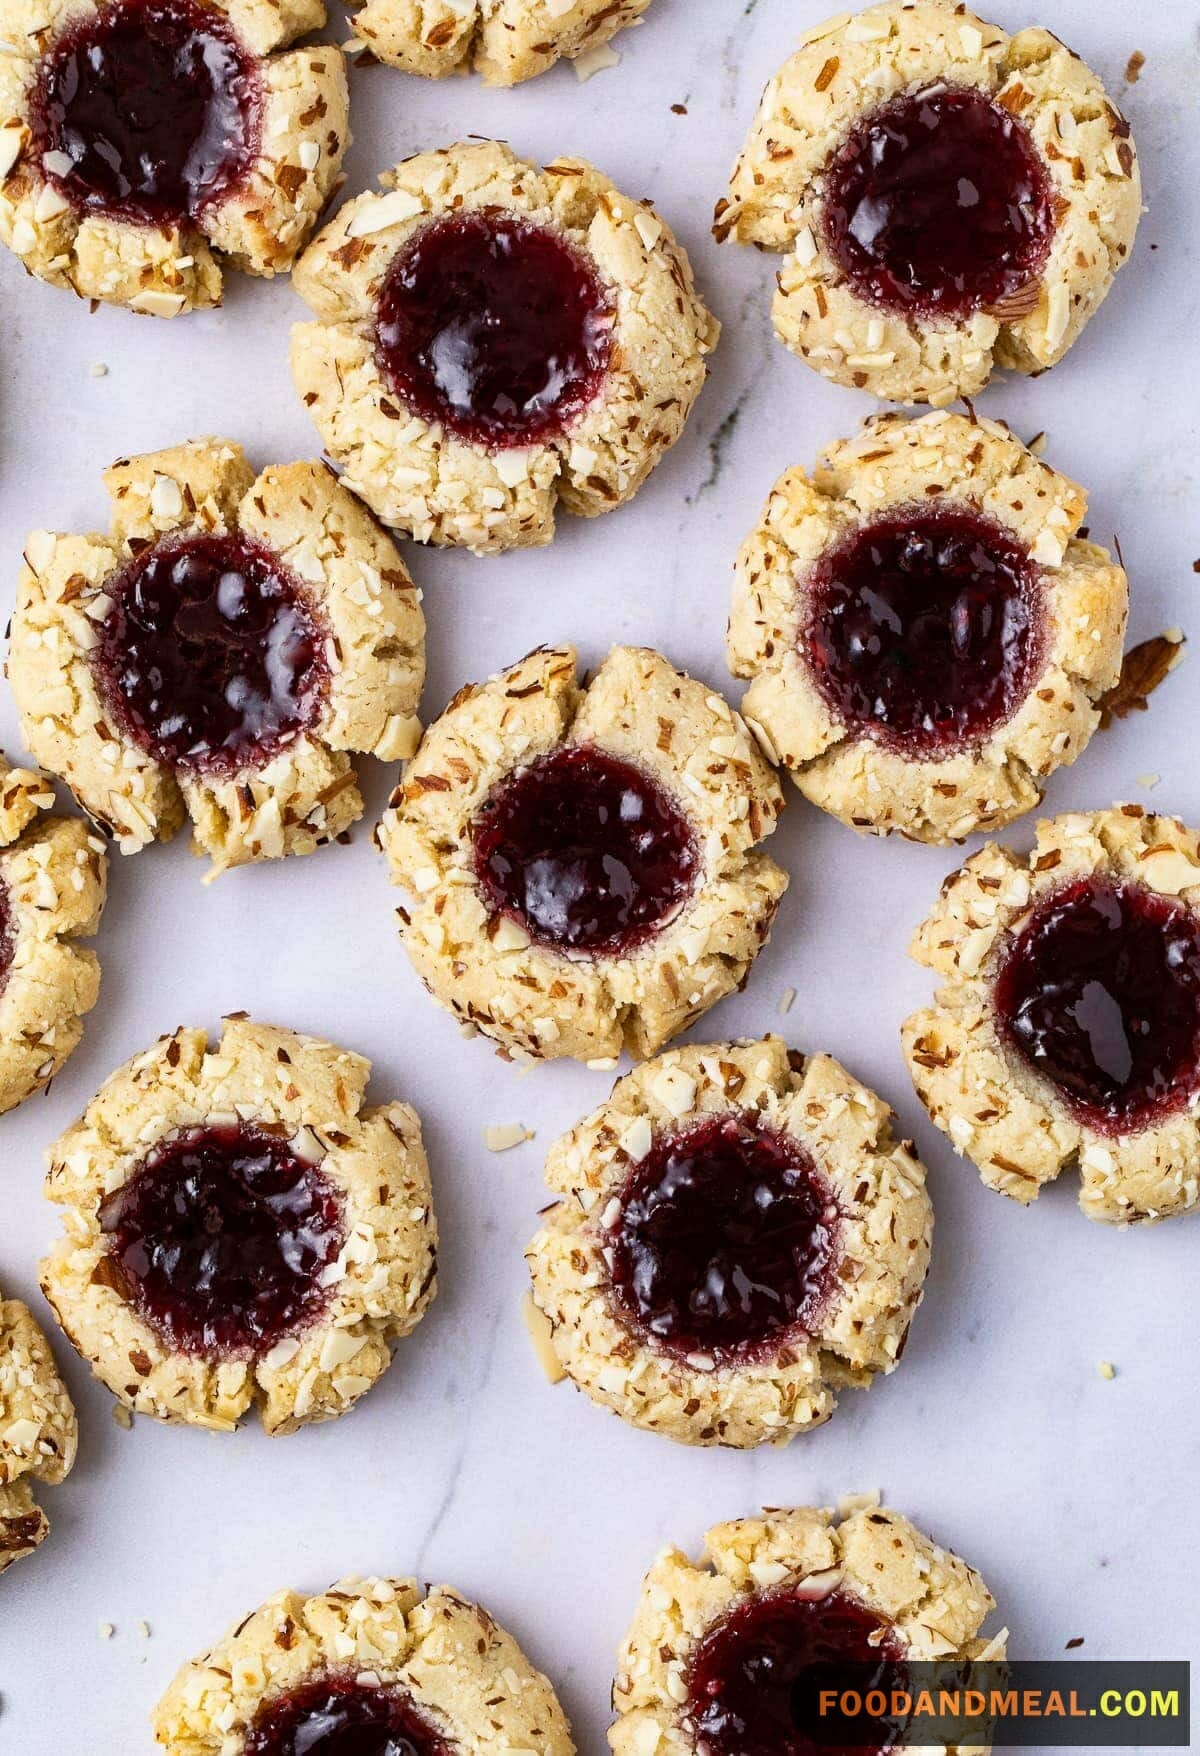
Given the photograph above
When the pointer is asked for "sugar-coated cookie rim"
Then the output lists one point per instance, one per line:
(877, 1181)
(457, 1664)
(885, 51)
(416, 475)
(892, 463)
(385, 1273)
(260, 226)
(1009, 1121)
(305, 794)
(39, 1432)
(518, 40)
(535, 1001)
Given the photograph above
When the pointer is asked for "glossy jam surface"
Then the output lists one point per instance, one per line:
(150, 111)
(588, 853)
(1100, 993)
(938, 205)
(726, 1240)
(924, 629)
(219, 1237)
(744, 1686)
(494, 326)
(211, 657)
(339, 1716)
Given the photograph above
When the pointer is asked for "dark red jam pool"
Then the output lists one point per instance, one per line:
(339, 1716)
(745, 1686)
(726, 1240)
(219, 1237)
(212, 656)
(937, 204)
(157, 106)
(924, 629)
(588, 853)
(1100, 993)
(494, 326)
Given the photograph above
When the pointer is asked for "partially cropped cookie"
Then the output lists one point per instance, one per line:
(53, 879)
(147, 144)
(718, 1647)
(927, 634)
(240, 1229)
(947, 199)
(582, 858)
(1067, 1034)
(38, 1430)
(220, 654)
(738, 1235)
(492, 339)
(507, 41)
(370, 1664)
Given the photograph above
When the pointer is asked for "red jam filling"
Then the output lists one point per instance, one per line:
(924, 629)
(341, 1716)
(745, 1685)
(726, 1242)
(586, 852)
(212, 656)
(1100, 993)
(219, 1237)
(938, 205)
(150, 111)
(497, 328)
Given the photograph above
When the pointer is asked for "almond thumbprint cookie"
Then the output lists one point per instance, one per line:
(507, 41)
(38, 1431)
(219, 654)
(1067, 1035)
(144, 143)
(371, 1667)
(240, 1229)
(581, 856)
(947, 199)
(738, 1235)
(491, 339)
(927, 634)
(716, 1660)
(53, 877)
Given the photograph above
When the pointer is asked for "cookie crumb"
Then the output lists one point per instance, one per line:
(787, 1001)
(1037, 445)
(1133, 67)
(1148, 780)
(1106, 1369)
(122, 1416)
(1145, 666)
(98, 369)
(1072, 1644)
(540, 1331)
(679, 109)
(504, 1137)
(143, 1629)
(595, 61)
(107, 1630)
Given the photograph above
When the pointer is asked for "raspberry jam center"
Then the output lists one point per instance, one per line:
(219, 1238)
(495, 327)
(147, 111)
(339, 1716)
(937, 204)
(746, 1686)
(211, 657)
(1100, 993)
(588, 853)
(726, 1240)
(924, 629)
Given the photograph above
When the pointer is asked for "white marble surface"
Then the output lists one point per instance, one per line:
(1075, 1496)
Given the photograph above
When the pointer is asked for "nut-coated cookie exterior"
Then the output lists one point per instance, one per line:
(877, 1260)
(929, 1600)
(300, 134)
(470, 1681)
(482, 965)
(348, 576)
(940, 464)
(415, 474)
(507, 42)
(852, 67)
(1013, 1122)
(53, 879)
(308, 1095)
(38, 1431)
